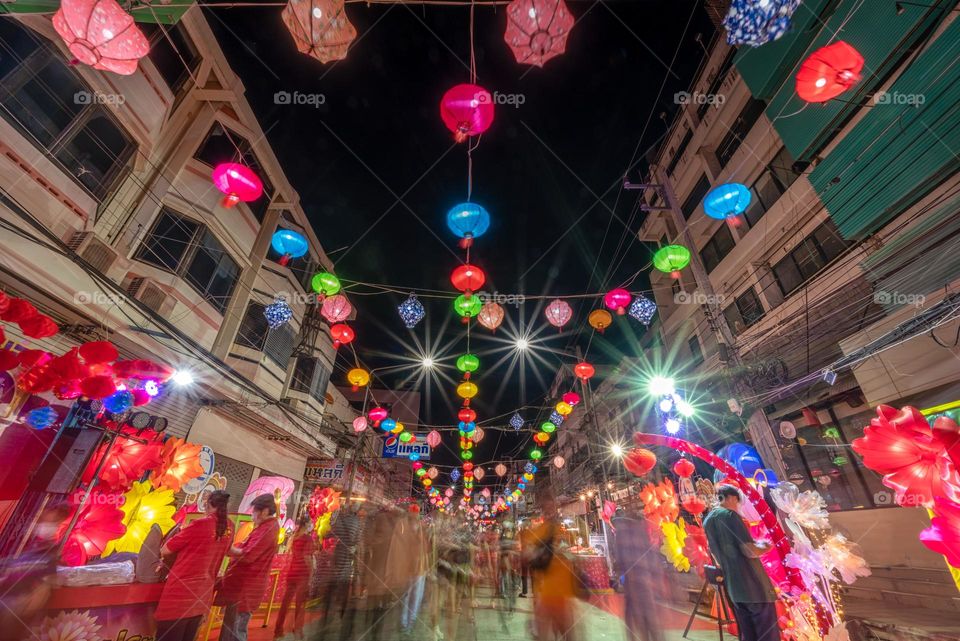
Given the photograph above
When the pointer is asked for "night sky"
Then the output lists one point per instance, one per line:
(548, 171)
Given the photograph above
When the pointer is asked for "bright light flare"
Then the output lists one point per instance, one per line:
(661, 386)
(617, 450)
(522, 344)
(428, 362)
(685, 408)
(182, 377)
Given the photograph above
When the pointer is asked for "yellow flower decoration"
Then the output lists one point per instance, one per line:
(142, 507)
(322, 525)
(674, 537)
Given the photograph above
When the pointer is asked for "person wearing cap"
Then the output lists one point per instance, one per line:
(247, 576)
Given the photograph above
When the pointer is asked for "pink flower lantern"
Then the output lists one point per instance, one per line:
(478, 473)
(537, 30)
(336, 308)
(359, 424)
(433, 438)
(101, 34)
(558, 313)
(617, 300)
(237, 182)
(466, 110)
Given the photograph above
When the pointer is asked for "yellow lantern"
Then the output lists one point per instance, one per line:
(564, 408)
(467, 389)
(397, 428)
(358, 377)
(527, 476)
(427, 482)
(600, 319)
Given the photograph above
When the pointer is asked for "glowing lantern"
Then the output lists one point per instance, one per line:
(478, 473)
(433, 472)
(468, 221)
(466, 110)
(467, 306)
(670, 259)
(358, 377)
(341, 334)
(101, 34)
(584, 371)
(336, 308)
(359, 424)
(377, 414)
(468, 363)
(828, 72)
(600, 319)
(541, 437)
(563, 408)
(516, 421)
(237, 182)
(477, 435)
(500, 469)
(536, 455)
(405, 437)
(558, 313)
(118, 402)
(468, 278)
(466, 390)
(749, 22)
(727, 201)
(684, 468)
(467, 415)
(537, 30)
(571, 398)
(642, 309)
(397, 428)
(548, 427)
(388, 424)
(289, 244)
(490, 316)
(617, 300)
(411, 311)
(559, 461)
(319, 28)
(639, 461)
(277, 313)
(325, 283)
(433, 438)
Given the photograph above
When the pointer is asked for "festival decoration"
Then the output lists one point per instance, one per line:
(617, 300)
(828, 72)
(278, 313)
(433, 472)
(674, 539)
(584, 371)
(101, 34)
(693, 504)
(468, 363)
(132, 454)
(342, 334)
(468, 278)
(237, 182)
(639, 461)
(388, 425)
(753, 23)
(336, 308)
(467, 110)
(943, 535)
(536, 455)
(478, 473)
(377, 414)
(491, 316)
(433, 438)
(600, 319)
(289, 244)
(466, 390)
(325, 283)
(660, 502)
(179, 463)
(537, 30)
(548, 427)
(143, 506)
(411, 311)
(98, 386)
(558, 312)
(40, 326)
(559, 461)
(41, 417)
(100, 521)
(684, 468)
(466, 415)
(807, 509)
(477, 435)
(118, 402)
(467, 306)
(726, 202)
(359, 424)
(670, 259)
(696, 548)
(358, 377)
(9, 360)
(516, 421)
(320, 28)
(500, 469)
(98, 352)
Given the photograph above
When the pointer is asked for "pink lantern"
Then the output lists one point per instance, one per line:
(448, 493)
(466, 110)
(558, 313)
(377, 414)
(500, 469)
(237, 182)
(478, 473)
(336, 308)
(571, 398)
(617, 300)
(433, 472)
(477, 435)
(490, 316)
(101, 34)
(433, 438)
(320, 28)
(537, 30)
(559, 461)
(359, 424)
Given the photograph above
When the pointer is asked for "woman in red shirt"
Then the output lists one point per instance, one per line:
(188, 592)
(302, 562)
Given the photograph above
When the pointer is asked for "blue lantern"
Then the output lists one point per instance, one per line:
(411, 311)
(467, 427)
(468, 220)
(277, 313)
(41, 417)
(289, 244)
(516, 421)
(753, 23)
(642, 309)
(414, 456)
(556, 418)
(388, 424)
(118, 402)
(454, 475)
(528, 467)
(727, 201)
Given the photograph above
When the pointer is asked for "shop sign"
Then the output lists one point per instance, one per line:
(394, 448)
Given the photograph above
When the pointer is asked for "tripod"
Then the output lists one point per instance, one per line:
(713, 577)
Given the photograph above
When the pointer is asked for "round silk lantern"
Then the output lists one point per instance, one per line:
(639, 461)
(477, 435)
(490, 316)
(571, 398)
(617, 300)
(467, 306)
(828, 72)
(537, 30)
(466, 110)
(325, 283)
(336, 308)
(101, 34)
(433, 472)
(320, 28)
(500, 469)
(584, 371)
(405, 437)
(564, 409)
(377, 414)
(478, 473)
(359, 424)
(468, 221)
(684, 468)
(548, 427)
(236, 182)
(468, 363)
(670, 259)
(358, 377)
(536, 455)
(466, 390)
(468, 278)
(467, 415)
(433, 438)
(559, 461)
(726, 201)
(289, 244)
(558, 313)
(388, 424)
(341, 335)
(600, 319)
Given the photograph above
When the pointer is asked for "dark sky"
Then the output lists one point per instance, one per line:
(539, 170)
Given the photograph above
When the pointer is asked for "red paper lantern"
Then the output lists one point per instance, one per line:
(18, 310)
(639, 461)
(237, 182)
(537, 30)
(490, 316)
(468, 278)
(69, 366)
(342, 335)
(571, 398)
(828, 72)
(693, 504)
(584, 371)
(377, 414)
(320, 28)
(98, 386)
(99, 352)
(142, 370)
(467, 415)
(617, 300)
(466, 110)
(684, 468)
(558, 313)
(101, 34)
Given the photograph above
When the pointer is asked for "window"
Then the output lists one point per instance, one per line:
(772, 183)
(190, 250)
(310, 375)
(172, 53)
(255, 333)
(222, 145)
(809, 257)
(696, 352)
(717, 81)
(744, 311)
(684, 142)
(696, 197)
(716, 248)
(739, 129)
(42, 97)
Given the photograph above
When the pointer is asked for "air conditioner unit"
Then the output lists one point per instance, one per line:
(152, 295)
(101, 256)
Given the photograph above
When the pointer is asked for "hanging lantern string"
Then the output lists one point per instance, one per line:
(436, 293)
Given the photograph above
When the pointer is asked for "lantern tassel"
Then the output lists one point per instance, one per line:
(230, 200)
(284, 260)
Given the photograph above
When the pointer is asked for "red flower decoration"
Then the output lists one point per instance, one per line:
(322, 500)
(9, 359)
(696, 548)
(142, 370)
(129, 458)
(693, 504)
(99, 352)
(100, 521)
(943, 535)
(901, 446)
(39, 326)
(98, 386)
(18, 310)
(660, 502)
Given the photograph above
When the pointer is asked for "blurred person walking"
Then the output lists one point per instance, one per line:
(636, 561)
(417, 547)
(338, 586)
(555, 584)
(507, 571)
(303, 548)
(248, 574)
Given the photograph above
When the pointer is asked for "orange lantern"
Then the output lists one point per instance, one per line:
(357, 377)
(320, 28)
(600, 319)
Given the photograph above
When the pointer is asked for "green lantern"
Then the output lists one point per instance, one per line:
(831, 432)
(467, 307)
(840, 460)
(405, 437)
(325, 283)
(548, 427)
(468, 363)
(466, 455)
(421, 471)
(536, 455)
(670, 259)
